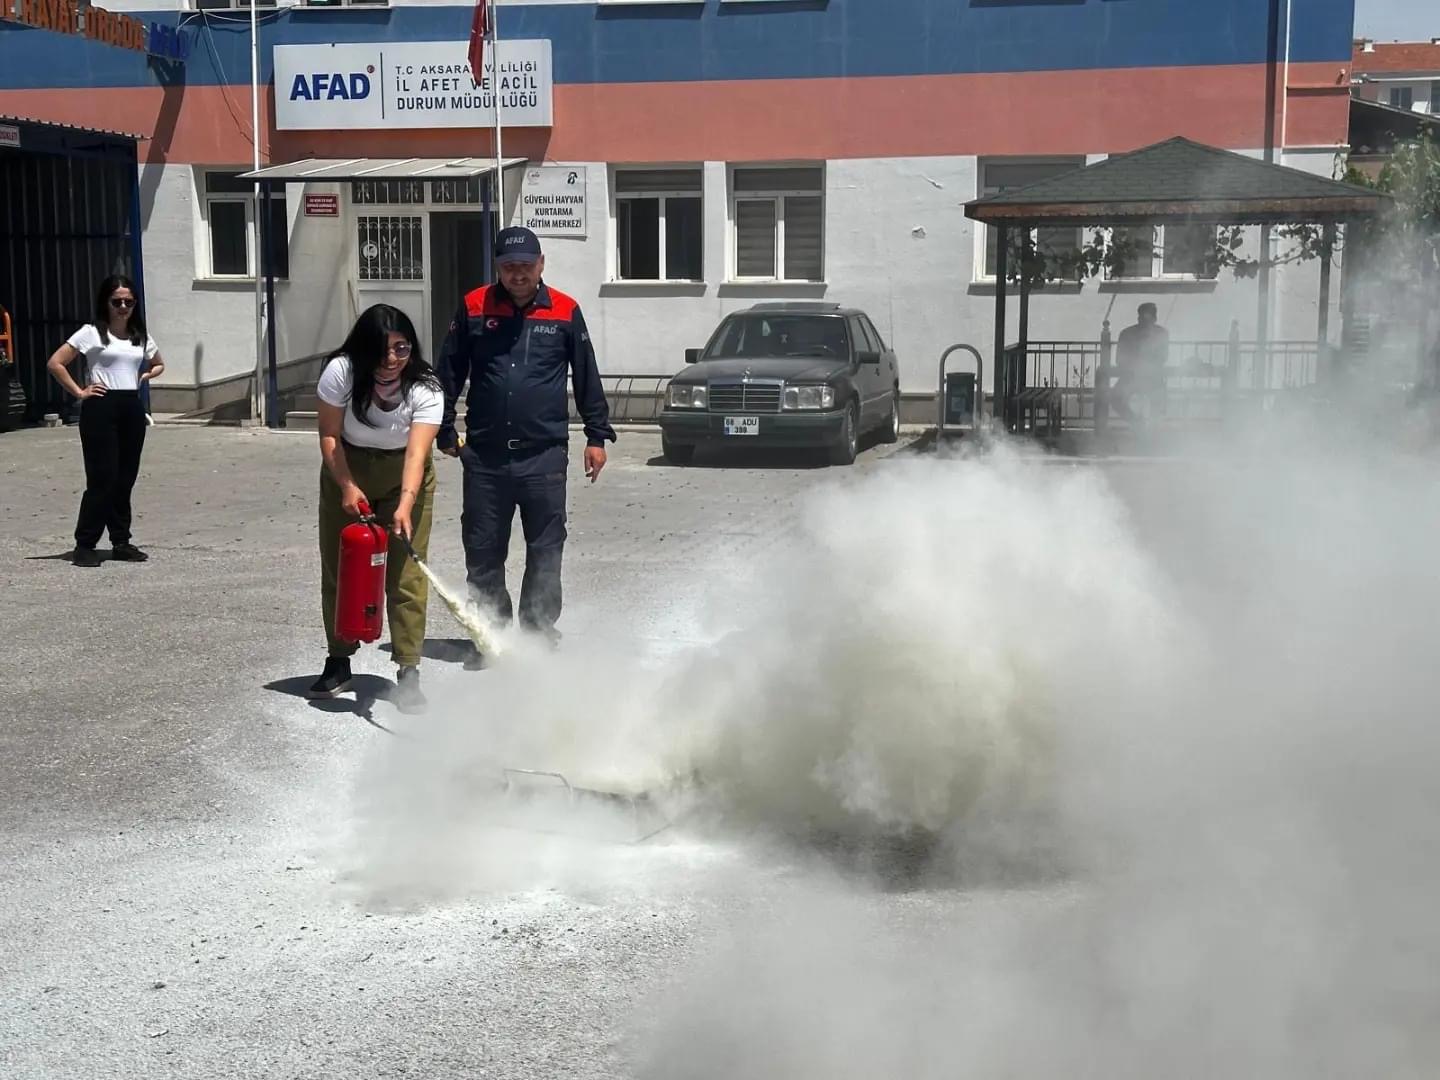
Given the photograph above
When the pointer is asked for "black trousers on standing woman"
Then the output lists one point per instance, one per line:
(112, 434)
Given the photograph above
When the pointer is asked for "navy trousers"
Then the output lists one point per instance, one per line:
(497, 483)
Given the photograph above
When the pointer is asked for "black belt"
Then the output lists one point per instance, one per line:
(514, 445)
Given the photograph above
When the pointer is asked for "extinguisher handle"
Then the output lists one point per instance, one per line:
(366, 514)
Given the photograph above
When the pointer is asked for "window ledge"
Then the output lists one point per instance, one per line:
(986, 287)
(653, 288)
(802, 290)
(1160, 285)
(226, 283)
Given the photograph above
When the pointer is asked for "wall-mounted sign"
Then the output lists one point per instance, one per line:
(552, 200)
(322, 205)
(9, 135)
(98, 24)
(414, 84)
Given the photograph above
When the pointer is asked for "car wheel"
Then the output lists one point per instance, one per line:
(843, 450)
(890, 431)
(677, 453)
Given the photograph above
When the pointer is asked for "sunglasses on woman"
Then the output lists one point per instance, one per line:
(400, 351)
(121, 302)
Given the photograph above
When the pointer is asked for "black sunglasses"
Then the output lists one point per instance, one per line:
(121, 302)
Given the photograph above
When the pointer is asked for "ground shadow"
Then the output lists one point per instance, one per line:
(359, 700)
(445, 650)
(69, 556)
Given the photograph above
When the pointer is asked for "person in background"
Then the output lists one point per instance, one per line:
(1141, 353)
(380, 410)
(515, 342)
(120, 357)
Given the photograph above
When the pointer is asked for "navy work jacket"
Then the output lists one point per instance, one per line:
(516, 362)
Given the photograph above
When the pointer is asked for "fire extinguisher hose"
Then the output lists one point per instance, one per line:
(476, 627)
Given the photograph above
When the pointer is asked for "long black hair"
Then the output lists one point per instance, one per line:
(135, 327)
(366, 345)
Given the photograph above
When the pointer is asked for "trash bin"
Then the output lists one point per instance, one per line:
(960, 399)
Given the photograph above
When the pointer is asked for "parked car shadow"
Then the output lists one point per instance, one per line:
(731, 457)
(359, 700)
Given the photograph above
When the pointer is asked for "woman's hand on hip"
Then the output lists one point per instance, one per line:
(351, 498)
(93, 390)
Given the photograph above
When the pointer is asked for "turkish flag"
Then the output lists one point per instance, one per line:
(479, 28)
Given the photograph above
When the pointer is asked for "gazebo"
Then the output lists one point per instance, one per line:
(1174, 182)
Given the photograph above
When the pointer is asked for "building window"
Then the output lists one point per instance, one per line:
(1167, 251)
(999, 175)
(778, 219)
(659, 225)
(1402, 97)
(387, 192)
(226, 5)
(456, 192)
(391, 247)
(1435, 97)
(228, 207)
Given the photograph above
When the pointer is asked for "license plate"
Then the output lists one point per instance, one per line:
(742, 425)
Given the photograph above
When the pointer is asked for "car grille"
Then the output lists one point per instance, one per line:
(748, 397)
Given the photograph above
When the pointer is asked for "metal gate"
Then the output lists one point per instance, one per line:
(69, 217)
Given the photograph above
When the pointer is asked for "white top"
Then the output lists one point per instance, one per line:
(422, 405)
(114, 364)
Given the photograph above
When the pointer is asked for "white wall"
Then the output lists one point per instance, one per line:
(206, 327)
(898, 245)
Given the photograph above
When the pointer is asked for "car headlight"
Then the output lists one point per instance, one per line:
(809, 397)
(686, 396)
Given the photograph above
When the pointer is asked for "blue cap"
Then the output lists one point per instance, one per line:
(516, 244)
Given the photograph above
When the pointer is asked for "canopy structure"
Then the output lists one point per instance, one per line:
(318, 170)
(1176, 181)
(347, 170)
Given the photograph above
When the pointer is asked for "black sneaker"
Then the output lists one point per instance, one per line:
(127, 553)
(408, 697)
(84, 556)
(334, 680)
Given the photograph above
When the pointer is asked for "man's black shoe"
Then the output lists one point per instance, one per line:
(127, 553)
(334, 680)
(408, 697)
(86, 556)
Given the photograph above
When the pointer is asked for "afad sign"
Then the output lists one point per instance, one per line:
(106, 27)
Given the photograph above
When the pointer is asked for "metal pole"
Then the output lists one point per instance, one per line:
(1002, 369)
(272, 381)
(495, 89)
(257, 399)
(1272, 60)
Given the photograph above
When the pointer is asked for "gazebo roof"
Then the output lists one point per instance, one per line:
(1178, 180)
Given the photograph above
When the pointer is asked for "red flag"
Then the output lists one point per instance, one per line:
(479, 28)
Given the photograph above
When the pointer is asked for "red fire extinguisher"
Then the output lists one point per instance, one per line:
(360, 579)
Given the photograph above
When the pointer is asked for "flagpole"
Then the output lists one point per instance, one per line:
(495, 89)
(258, 399)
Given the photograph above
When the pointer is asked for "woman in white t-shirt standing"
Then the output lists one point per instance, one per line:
(120, 357)
(380, 409)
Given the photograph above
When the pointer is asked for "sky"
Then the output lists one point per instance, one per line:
(1397, 20)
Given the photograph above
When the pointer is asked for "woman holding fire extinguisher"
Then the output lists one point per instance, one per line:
(380, 409)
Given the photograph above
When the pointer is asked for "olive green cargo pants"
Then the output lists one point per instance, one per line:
(378, 473)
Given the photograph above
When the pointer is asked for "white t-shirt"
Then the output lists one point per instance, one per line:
(114, 364)
(422, 405)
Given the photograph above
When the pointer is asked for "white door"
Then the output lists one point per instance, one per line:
(388, 264)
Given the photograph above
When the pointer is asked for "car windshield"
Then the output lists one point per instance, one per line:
(763, 335)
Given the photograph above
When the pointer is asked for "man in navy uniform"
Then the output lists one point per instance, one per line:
(515, 342)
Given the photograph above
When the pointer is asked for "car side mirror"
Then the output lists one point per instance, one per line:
(866, 356)
(692, 356)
